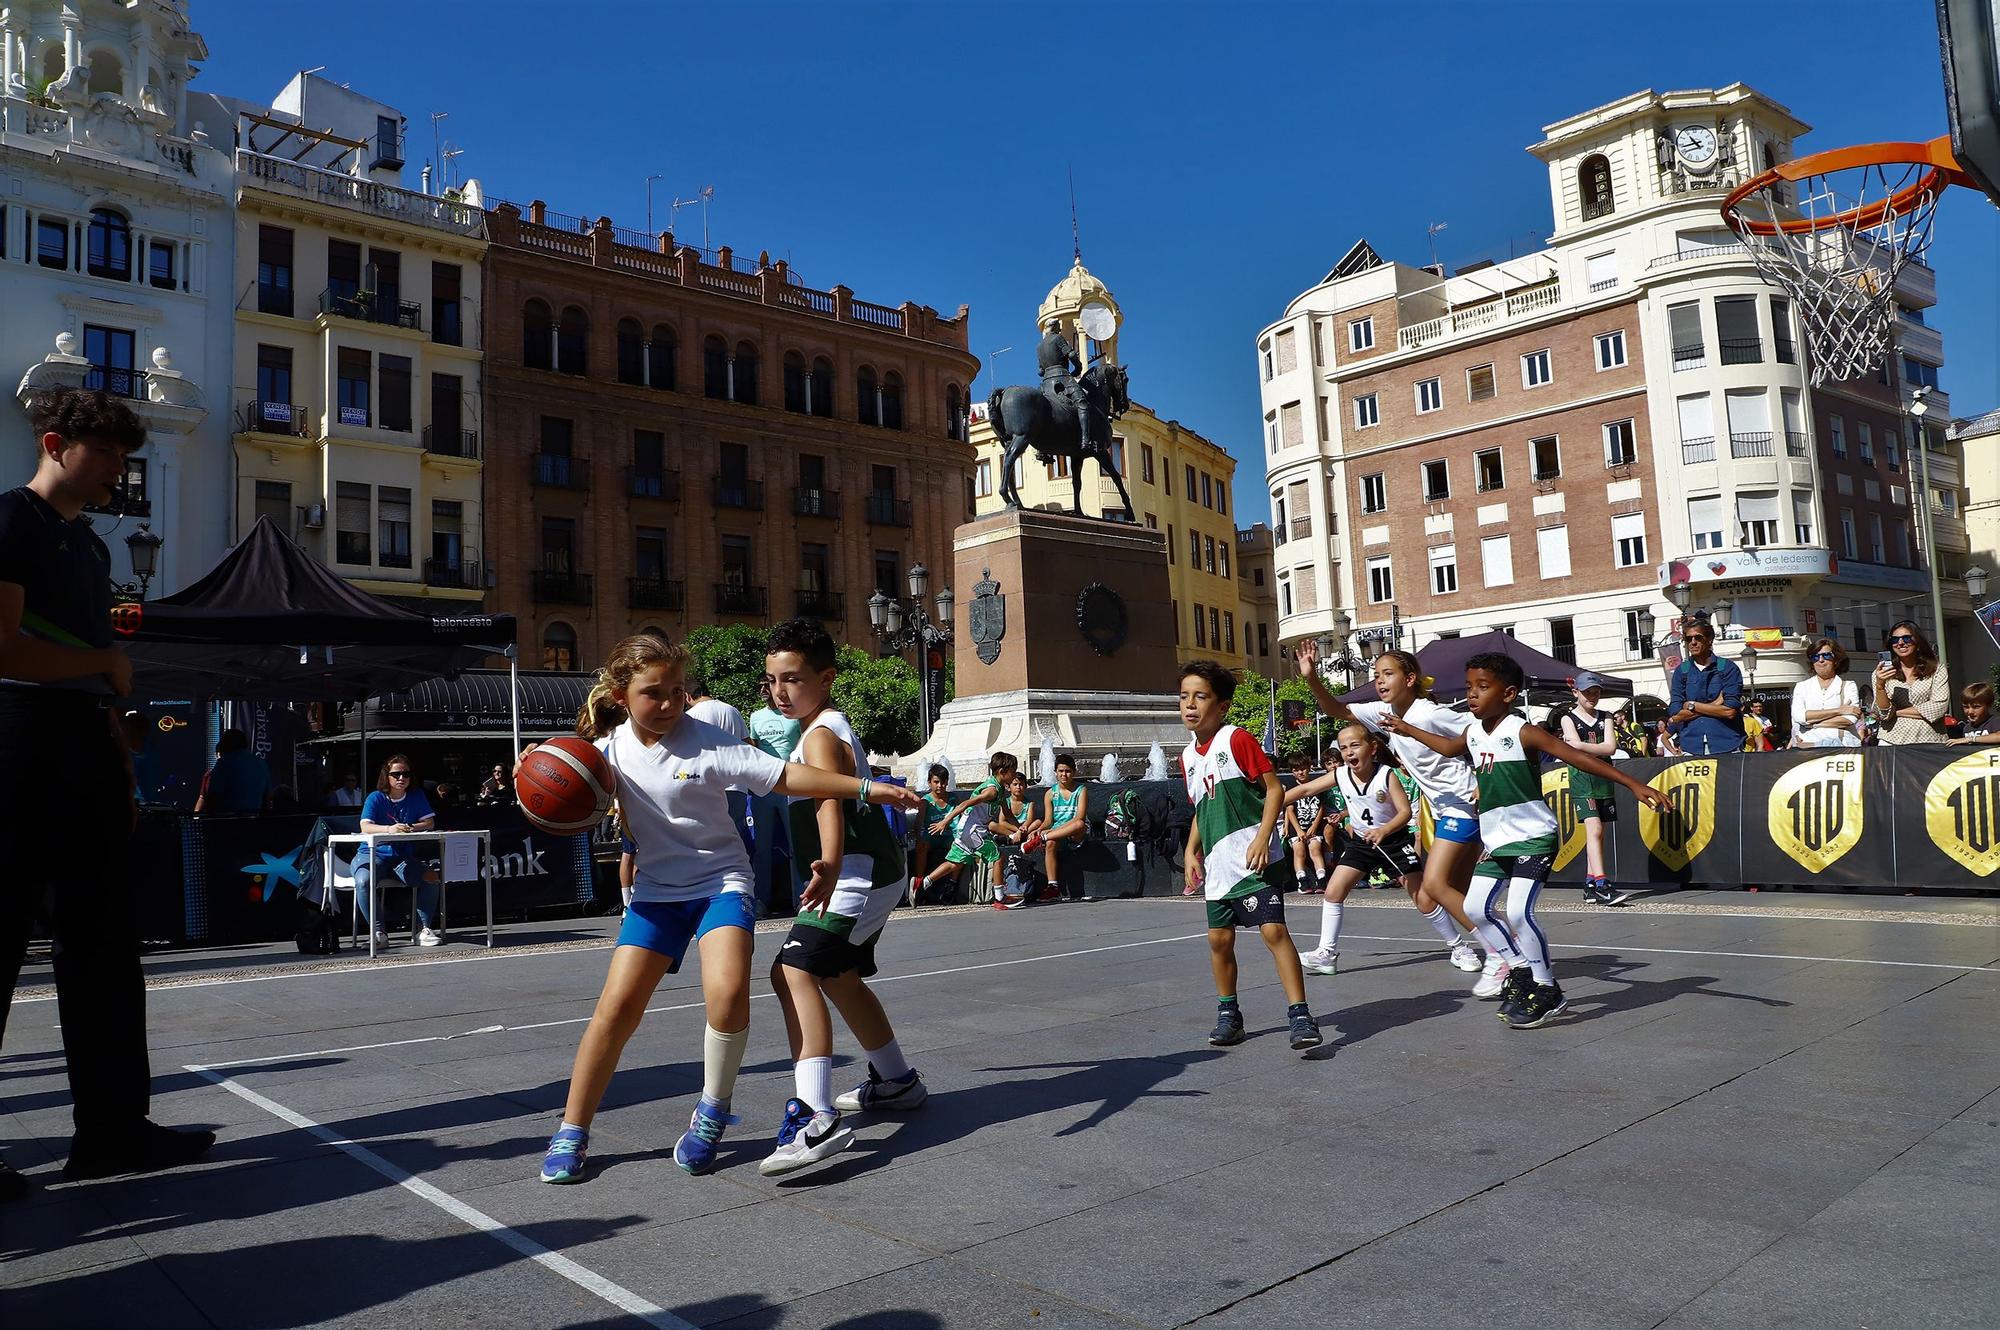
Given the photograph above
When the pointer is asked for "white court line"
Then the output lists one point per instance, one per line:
(586, 1279)
(1740, 955)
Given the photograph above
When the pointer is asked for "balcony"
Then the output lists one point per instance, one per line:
(559, 588)
(1940, 468)
(1797, 444)
(1742, 351)
(287, 418)
(888, 510)
(739, 598)
(1525, 303)
(1302, 527)
(822, 605)
(655, 593)
(368, 307)
(280, 176)
(739, 493)
(444, 441)
(1752, 445)
(1692, 355)
(118, 380)
(653, 484)
(1696, 451)
(809, 502)
(1919, 341)
(453, 574)
(1564, 652)
(559, 471)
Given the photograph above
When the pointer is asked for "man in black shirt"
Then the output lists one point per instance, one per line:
(66, 811)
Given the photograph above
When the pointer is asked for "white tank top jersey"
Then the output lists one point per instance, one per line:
(1447, 782)
(1369, 805)
(856, 870)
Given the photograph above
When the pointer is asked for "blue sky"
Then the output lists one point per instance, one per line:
(1225, 155)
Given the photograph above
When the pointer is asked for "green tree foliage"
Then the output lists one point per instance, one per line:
(1252, 705)
(732, 661)
(878, 694)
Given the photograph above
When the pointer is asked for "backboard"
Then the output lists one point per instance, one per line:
(1970, 50)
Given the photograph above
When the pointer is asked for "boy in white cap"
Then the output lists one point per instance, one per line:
(1585, 729)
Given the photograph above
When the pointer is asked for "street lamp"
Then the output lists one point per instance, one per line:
(144, 548)
(899, 627)
(1919, 405)
(1719, 615)
(1975, 584)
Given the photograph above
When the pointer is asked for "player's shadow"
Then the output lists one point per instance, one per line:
(1363, 1021)
(1637, 994)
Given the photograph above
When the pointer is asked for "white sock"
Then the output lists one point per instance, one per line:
(814, 1079)
(1443, 924)
(626, 894)
(1329, 925)
(888, 1061)
(721, 1055)
(571, 1126)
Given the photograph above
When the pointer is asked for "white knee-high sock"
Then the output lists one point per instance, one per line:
(1492, 933)
(1329, 925)
(625, 893)
(814, 1079)
(888, 1061)
(1527, 930)
(721, 1056)
(1443, 924)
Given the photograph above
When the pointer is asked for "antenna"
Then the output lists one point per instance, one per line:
(992, 361)
(1075, 237)
(437, 146)
(701, 196)
(1438, 267)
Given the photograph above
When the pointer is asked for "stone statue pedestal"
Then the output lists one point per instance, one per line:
(1065, 632)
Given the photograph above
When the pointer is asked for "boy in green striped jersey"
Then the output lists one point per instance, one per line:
(1519, 832)
(1236, 797)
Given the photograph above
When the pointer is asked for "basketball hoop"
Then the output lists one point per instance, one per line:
(1834, 230)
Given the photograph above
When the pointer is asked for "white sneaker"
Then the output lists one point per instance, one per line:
(1492, 977)
(805, 1138)
(1321, 961)
(1464, 955)
(381, 938)
(429, 937)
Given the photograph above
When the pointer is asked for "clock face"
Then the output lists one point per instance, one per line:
(1696, 145)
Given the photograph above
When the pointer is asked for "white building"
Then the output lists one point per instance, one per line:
(1545, 445)
(115, 253)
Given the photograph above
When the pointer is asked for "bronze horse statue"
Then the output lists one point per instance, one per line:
(1048, 420)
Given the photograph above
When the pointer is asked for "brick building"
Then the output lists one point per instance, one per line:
(674, 441)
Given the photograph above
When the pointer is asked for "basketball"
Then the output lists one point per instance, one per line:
(565, 786)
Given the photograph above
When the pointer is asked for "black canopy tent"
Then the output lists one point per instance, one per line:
(1444, 660)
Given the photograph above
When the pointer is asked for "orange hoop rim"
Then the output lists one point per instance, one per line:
(1943, 170)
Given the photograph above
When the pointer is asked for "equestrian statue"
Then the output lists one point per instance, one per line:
(1068, 415)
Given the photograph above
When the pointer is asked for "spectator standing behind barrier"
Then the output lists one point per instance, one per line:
(1757, 728)
(239, 782)
(1705, 701)
(770, 848)
(1976, 722)
(1826, 709)
(145, 765)
(714, 711)
(1912, 692)
(348, 793)
(496, 788)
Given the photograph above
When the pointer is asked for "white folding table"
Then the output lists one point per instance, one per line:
(445, 840)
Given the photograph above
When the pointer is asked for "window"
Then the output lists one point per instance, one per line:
(1271, 429)
(1188, 472)
(1876, 551)
(1496, 560)
(1792, 411)
(1288, 351)
(447, 319)
(1222, 558)
(888, 573)
(1374, 493)
(573, 341)
(1736, 330)
(1781, 331)
(743, 378)
(274, 271)
(1593, 186)
(1365, 412)
(1285, 598)
(1600, 272)
(538, 336)
(1802, 517)
(1545, 455)
(1173, 558)
(1320, 403)
(110, 352)
(351, 522)
(1361, 334)
(1430, 395)
(982, 480)
(448, 535)
(1319, 358)
(392, 521)
(559, 545)
(1610, 349)
(649, 553)
(1263, 639)
(1620, 445)
(1684, 336)
(1836, 433)
(1381, 581)
(1214, 626)
(109, 241)
(1057, 468)
(1628, 535)
(1903, 545)
(1264, 354)
(343, 269)
(1849, 547)
(1229, 631)
(1291, 424)
(1194, 551)
(1437, 481)
(819, 387)
(1146, 462)
(1200, 627)
(160, 264)
(52, 242)
(1222, 496)
(388, 141)
(715, 371)
(1488, 467)
(1444, 570)
(559, 647)
(1479, 383)
(1865, 437)
(1892, 450)
(353, 367)
(1207, 491)
(629, 362)
(1844, 483)
(1208, 553)
(1705, 520)
(1749, 415)
(1552, 552)
(1638, 641)
(1562, 640)
(274, 386)
(394, 386)
(1918, 374)
(1697, 426)
(274, 500)
(1535, 369)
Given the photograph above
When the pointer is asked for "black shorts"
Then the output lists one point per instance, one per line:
(1396, 855)
(827, 955)
(1263, 906)
(1534, 867)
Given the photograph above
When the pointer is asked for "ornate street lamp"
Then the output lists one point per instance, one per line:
(143, 546)
(899, 627)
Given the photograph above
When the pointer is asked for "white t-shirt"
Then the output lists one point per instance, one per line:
(1446, 782)
(675, 800)
(714, 711)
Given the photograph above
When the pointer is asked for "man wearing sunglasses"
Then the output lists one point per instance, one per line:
(1705, 700)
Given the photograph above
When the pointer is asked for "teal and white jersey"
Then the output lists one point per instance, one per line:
(1225, 782)
(1062, 807)
(1513, 820)
(871, 857)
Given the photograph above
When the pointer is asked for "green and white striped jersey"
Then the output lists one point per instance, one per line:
(1225, 782)
(1513, 820)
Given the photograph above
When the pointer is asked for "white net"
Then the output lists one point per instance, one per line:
(1841, 275)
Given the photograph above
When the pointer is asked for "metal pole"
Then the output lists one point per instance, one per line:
(514, 698)
(1930, 544)
(364, 751)
(923, 674)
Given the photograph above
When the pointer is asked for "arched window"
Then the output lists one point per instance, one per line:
(631, 352)
(661, 357)
(1593, 185)
(867, 397)
(892, 401)
(954, 412)
(538, 336)
(715, 368)
(52, 63)
(745, 372)
(107, 74)
(559, 647)
(573, 341)
(796, 380)
(110, 252)
(822, 387)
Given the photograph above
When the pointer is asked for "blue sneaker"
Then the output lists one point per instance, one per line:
(564, 1161)
(695, 1151)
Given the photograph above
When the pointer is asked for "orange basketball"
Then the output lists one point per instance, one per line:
(565, 786)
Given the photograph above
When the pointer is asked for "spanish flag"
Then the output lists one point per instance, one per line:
(1764, 639)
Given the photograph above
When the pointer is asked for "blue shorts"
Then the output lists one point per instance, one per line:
(667, 926)
(1457, 830)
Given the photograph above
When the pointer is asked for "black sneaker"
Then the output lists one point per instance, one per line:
(1520, 983)
(1597, 892)
(1305, 1030)
(1228, 1027)
(12, 1185)
(1543, 1004)
(146, 1149)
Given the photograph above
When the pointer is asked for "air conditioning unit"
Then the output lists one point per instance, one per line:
(314, 516)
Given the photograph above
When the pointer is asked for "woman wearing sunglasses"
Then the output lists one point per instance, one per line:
(398, 804)
(1826, 709)
(1911, 692)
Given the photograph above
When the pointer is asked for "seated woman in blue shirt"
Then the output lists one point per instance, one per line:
(398, 804)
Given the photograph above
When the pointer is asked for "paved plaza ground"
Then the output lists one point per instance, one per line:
(1760, 1111)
